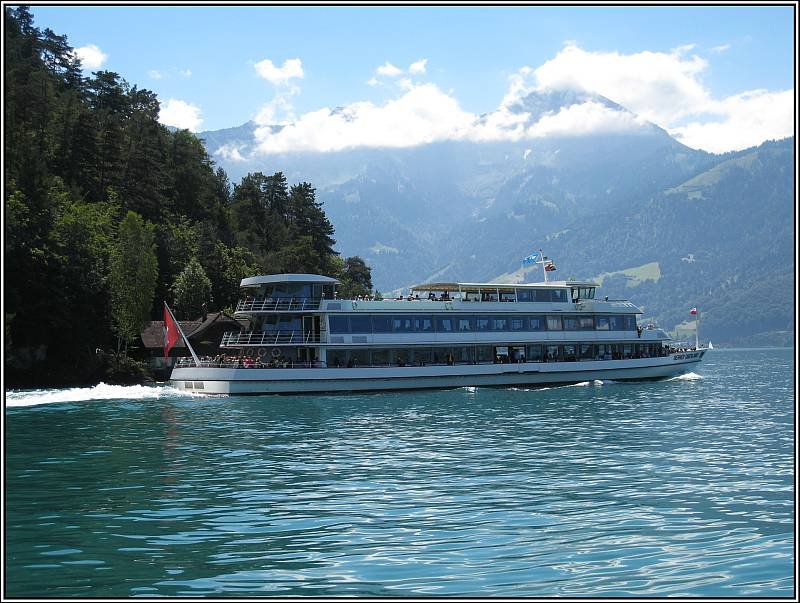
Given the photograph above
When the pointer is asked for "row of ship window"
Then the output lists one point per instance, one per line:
(414, 323)
(567, 352)
(522, 295)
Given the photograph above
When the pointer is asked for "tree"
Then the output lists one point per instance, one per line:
(307, 218)
(355, 278)
(192, 290)
(134, 272)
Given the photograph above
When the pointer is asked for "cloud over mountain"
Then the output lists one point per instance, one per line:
(180, 114)
(664, 88)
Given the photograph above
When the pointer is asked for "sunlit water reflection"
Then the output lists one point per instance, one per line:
(674, 488)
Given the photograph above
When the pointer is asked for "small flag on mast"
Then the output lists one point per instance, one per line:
(531, 259)
(550, 267)
(693, 311)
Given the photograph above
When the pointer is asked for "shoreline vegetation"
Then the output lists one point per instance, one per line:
(109, 213)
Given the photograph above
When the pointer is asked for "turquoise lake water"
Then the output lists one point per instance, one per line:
(683, 487)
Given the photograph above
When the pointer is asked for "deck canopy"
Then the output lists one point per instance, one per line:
(501, 286)
(283, 279)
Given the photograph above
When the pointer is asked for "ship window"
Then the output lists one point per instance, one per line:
(485, 353)
(381, 324)
(445, 324)
(585, 323)
(401, 357)
(423, 356)
(630, 323)
(489, 295)
(601, 323)
(423, 324)
(524, 295)
(537, 323)
(336, 359)
(466, 323)
(360, 323)
(569, 352)
(482, 323)
(553, 323)
(541, 295)
(462, 354)
(534, 353)
(616, 323)
(339, 324)
(380, 357)
(627, 351)
(552, 353)
(403, 324)
(571, 323)
(604, 351)
(507, 296)
(559, 295)
(517, 324)
(356, 358)
(585, 351)
(500, 324)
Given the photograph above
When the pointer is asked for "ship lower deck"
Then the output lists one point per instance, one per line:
(221, 380)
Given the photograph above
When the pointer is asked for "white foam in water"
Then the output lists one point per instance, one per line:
(686, 377)
(101, 391)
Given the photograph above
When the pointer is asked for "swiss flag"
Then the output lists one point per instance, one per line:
(693, 311)
(171, 333)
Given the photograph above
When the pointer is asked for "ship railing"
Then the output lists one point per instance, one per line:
(282, 304)
(263, 338)
(243, 362)
(267, 361)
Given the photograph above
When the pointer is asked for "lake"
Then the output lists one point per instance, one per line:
(682, 487)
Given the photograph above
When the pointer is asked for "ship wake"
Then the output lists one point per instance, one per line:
(101, 391)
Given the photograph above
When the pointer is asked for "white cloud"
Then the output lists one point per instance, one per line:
(424, 114)
(155, 74)
(720, 48)
(661, 87)
(418, 66)
(746, 120)
(91, 56)
(373, 81)
(291, 69)
(665, 88)
(389, 70)
(180, 114)
(584, 118)
(230, 152)
(185, 72)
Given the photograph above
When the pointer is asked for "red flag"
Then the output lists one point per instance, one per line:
(550, 267)
(693, 311)
(171, 333)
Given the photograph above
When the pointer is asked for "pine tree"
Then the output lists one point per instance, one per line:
(134, 271)
(192, 290)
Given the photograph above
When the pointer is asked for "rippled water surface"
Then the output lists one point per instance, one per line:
(672, 488)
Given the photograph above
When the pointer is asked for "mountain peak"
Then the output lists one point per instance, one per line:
(540, 102)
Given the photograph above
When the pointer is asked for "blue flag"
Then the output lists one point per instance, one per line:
(531, 259)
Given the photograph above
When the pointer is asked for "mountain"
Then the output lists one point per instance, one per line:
(604, 204)
(722, 241)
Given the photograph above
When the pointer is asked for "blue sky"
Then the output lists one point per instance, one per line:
(717, 66)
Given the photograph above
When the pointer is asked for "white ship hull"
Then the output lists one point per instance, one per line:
(215, 380)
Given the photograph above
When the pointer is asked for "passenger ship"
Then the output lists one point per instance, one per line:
(300, 338)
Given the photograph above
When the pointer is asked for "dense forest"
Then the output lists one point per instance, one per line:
(108, 213)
